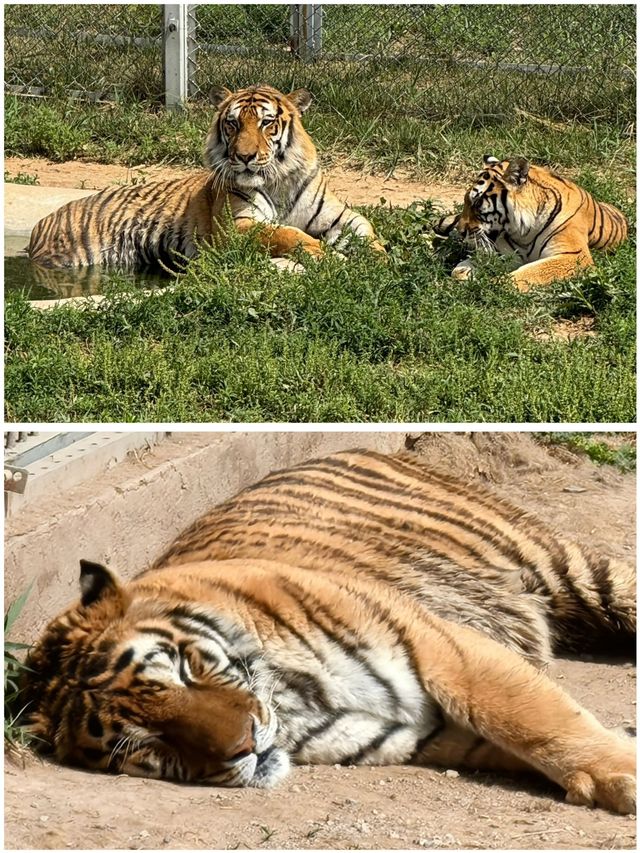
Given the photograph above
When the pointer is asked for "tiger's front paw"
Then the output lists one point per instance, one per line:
(287, 265)
(613, 791)
(463, 271)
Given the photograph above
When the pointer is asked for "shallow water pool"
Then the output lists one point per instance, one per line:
(40, 283)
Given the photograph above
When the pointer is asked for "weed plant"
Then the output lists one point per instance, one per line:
(14, 734)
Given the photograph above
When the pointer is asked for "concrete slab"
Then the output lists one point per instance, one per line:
(127, 515)
(56, 462)
(25, 205)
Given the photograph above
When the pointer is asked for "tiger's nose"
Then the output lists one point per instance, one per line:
(245, 158)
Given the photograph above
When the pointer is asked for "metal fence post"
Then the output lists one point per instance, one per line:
(306, 30)
(176, 76)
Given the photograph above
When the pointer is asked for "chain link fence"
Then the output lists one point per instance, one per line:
(477, 63)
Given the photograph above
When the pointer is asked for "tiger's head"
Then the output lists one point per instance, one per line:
(257, 137)
(491, 204)
(131, 684)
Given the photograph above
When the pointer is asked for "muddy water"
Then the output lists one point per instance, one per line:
(38, 283)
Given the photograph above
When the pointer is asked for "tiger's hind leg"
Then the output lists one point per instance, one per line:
(453, 746)
(544, 271)
(491, 692)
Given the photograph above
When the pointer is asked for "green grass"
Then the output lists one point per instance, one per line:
(602, 448)
(372, 136)
(356, 340)
(21, 178)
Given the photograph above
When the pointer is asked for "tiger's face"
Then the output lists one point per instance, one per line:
(151, 689)
(489, 204)
(256, 136)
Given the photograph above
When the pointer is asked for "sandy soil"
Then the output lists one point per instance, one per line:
(353, 186)
(389, 807)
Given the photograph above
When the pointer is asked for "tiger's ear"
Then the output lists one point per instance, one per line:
(217, 94)
(490, 160)
(517, 172)
(97, 582)
(301, 99)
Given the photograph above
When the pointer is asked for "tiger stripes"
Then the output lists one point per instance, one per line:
(547, 222)
(401, 509)
(357, 609)
(261, 165)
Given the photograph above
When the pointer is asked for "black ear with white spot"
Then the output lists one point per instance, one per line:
(218, 94)
(301, 99)
(490, 160)
(517, 172)
(96, 582)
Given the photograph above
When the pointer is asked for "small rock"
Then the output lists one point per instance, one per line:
(451, 774)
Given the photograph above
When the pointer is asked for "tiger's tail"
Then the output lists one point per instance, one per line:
(446, 225)
(590, 600)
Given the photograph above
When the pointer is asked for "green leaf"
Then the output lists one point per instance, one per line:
(15, 609)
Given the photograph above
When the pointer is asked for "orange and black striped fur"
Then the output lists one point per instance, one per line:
(547, 222)
(359, 609)
(260, 162)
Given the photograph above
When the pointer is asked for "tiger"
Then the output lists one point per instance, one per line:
(547, 222)
(261, 166)
(359, 609)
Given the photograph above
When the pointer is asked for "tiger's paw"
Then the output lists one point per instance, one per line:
(463, 271)
(287, 265)
(613, 791)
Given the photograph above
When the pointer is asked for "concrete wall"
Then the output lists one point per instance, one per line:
(127, 515)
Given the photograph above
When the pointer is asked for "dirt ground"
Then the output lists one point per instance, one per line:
(388, 807)
(353, 186)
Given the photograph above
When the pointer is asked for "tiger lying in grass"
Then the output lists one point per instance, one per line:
(358, 609)
(260, 162)
(548, 222)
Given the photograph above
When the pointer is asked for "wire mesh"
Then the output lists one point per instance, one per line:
(98, 52)
(476, 63)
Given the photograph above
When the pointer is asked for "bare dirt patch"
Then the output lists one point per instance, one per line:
(353, 186)
(387, 807)
(568, 330)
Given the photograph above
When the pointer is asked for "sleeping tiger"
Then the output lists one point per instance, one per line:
(260, 162)
(548, 222)
(358, 609)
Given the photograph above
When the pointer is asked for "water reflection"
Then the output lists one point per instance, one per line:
(41, 283)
